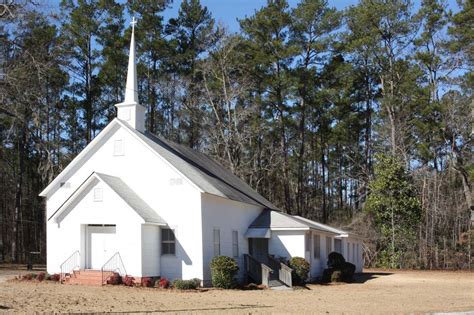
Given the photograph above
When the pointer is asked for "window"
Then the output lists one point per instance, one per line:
(217, 242)
(338, 246)
(168, 242)
(316, 246)
(98, 195)
(328, 245)
(307, 240)
(118, 148)
(235, 244)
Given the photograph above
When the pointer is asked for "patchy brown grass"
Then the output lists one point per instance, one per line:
(373, 292)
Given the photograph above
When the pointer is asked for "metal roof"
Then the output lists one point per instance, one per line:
(321, 226)
(209, 175)
(279, 220)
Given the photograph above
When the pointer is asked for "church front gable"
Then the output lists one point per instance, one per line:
(96, 204)
(123, 155)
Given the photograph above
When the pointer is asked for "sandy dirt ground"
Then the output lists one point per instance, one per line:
(375, 292)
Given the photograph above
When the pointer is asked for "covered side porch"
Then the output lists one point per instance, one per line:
(275, 237)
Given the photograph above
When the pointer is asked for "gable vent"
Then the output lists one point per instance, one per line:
(118, 147)
(98, 194)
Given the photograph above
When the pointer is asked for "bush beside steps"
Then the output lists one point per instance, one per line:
(223, 272)
(300, 271)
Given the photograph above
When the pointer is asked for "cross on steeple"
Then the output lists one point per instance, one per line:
(133, 23)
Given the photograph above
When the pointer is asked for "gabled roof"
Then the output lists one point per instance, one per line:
(202, 171)
(321, 226)
(209, 175)
(120, 188)
(275, 220)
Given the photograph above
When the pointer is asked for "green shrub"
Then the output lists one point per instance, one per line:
(197, 282)
(185, 284)
(223, 271)
(300, 269)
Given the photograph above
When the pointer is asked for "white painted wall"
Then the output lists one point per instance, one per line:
(70, 234)
(226, 215)
(151, 177)
(348, 254)
(319, 264)
(287, 244)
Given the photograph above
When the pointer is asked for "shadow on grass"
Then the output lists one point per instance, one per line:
(359, 278)
(367, 276)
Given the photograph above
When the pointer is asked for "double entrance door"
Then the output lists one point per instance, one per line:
(101, 244)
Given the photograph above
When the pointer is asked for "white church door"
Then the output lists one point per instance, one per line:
(102, 245)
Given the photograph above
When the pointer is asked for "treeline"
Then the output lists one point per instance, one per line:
(360, 118)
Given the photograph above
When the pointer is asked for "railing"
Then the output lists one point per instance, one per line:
(284, 272)
(285, 275)
(256, 270)
(71, 263)
(113, 265)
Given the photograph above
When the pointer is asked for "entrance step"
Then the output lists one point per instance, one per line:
(276, 284)
(84, 277)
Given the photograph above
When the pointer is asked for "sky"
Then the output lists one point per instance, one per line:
(228, 11)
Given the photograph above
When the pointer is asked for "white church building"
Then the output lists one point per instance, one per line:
(137, 204)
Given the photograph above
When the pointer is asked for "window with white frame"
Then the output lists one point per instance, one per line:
(316, 246)
(98, 194)
(118, 147)
(328, 245)
(235, 244)
(168, 242)
(217, 242)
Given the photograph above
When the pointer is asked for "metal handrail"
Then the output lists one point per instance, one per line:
(72, 262)
(113, 265)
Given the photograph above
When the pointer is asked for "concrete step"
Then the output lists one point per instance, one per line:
(275, 283)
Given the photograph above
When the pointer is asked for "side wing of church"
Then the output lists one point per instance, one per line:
(134, 203)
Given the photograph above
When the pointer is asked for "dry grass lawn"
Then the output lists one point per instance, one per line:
(375, 292)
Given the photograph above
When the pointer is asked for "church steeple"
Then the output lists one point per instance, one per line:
(130, 110)
(131, 89)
